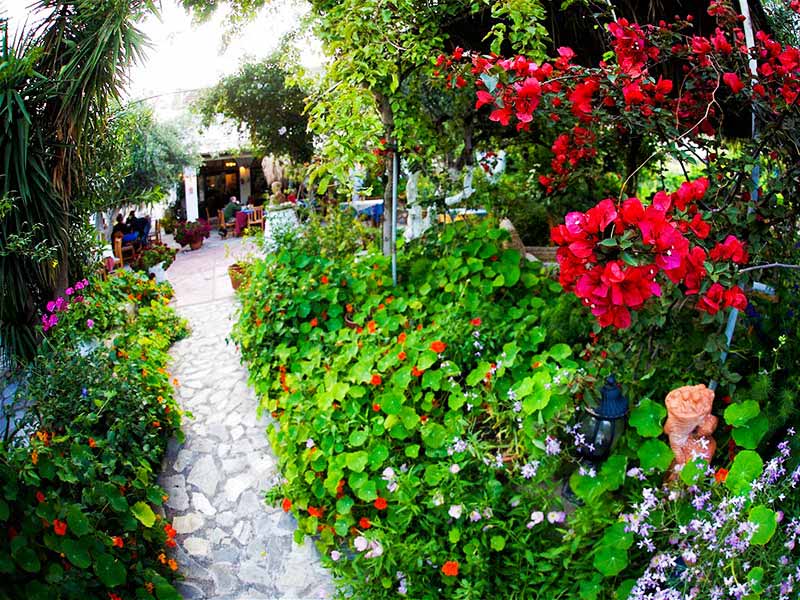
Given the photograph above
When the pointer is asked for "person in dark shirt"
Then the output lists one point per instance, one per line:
(127, 234)
(140, 226)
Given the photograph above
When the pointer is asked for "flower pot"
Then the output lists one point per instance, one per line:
(158, 272)
(237, 274)
(196, 244)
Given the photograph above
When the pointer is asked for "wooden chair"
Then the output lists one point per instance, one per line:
(155, 232)
(226, 225)
(122, 252)
(256, 217)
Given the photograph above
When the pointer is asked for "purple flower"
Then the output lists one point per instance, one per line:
(309, 443)
(84, 392)
(556, 516)
(552, 446)
(537, 517)
(529, 470)
(69, 291)
(361, 543)
(335, 555)
(455, 511)
(51, 306)
(89, 323)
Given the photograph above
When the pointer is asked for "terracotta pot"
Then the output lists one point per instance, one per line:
(196, 245)
(237, 274)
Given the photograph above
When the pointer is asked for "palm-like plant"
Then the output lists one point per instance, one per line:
(56, 82)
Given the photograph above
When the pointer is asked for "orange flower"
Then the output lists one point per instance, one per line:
(258, 321)
(316, 512)
(380, 503)
(438, 346)
(148, 585)
(376, 407)
(175, 382)
(401, 355)
(59, 527)
(475, 322)
(172, 564)
(324, 279)
(721, 475)
(165, 497)
(314, 322)
(286, 505)
(170, 531)
(423, 419)
(390, 299)
(34, 457)
(381, 306)
(450, 568)
(536, 364)
(364, 523)
(371, 326)
(117, 542)
(417, 372)
(376, 379)
(162, 558)
(401, 339)
(349, 308)
(92, 443)
(156, 424)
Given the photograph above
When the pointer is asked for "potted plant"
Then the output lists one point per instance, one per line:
(192, 233)
(156, 259)
(238, 274)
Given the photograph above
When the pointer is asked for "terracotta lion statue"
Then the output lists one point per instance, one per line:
(690, 424)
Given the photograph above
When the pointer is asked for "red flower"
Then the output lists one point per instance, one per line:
(364, 523)
(401, 355)
(113, 596)
(527, 99)
(735, 298)
(712, 301)
(59, 527)
(376, 407)
(732, 81)
(380, 503)
(92, 443)
(438, 346)
(450, 568)
(314, 322)
(401, 339)
(324, 279)
(170, 531)
(371, 326)
(484, 98)
(40, 497)
(286, 505)
(731, 249)
(376, 379)
(721, 475)
(118, 543)
(316, 512)
(423, 419)
(475, 322)
(416, 372)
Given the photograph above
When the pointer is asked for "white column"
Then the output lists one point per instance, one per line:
(190, 185)
(245, 190)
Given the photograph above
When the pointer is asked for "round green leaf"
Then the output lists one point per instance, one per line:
(749, 434)
(143, 513)
(358, 437)
(498, 542)
(610, 561)
(767, 522)
(740, 413)
(746, 467)
(356, 461)
(77, 521)
(655, 454)
(434, 435)
(110, 570)
(368, 492)
(76, 553)
(647, 418)
(26, 558)
(377, 455)
(344, 504)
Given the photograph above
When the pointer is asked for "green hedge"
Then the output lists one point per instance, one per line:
(79, 501)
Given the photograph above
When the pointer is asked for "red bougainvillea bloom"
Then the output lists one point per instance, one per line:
(731, 249)
(286, 505)
(402, 355)
(713, 299)
(376, 379)
(59, 527)
(314, 322)
(450, 568)
(381, 504)
(316, 512)
(438, 346)
(735, 298)
(732, 81)
(118, 542)
(364, 523)
(40, 497)
(475, 322)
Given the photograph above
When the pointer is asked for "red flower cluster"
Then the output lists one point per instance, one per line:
(316, 512)
(592, 266)
(171, 533)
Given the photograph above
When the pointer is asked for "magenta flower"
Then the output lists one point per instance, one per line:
(69, 291)
(89, 323)
(51, 306)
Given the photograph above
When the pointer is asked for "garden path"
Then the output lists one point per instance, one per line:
(231, 545)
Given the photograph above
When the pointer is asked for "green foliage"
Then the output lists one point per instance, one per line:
(77, 498)
(258, 97)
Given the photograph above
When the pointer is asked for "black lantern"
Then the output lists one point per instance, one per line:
(603, 425)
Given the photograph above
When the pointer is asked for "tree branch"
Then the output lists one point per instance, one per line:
(769, 266)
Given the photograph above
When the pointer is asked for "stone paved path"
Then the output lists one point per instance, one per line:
(231, 545)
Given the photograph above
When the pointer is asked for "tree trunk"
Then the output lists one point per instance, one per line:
(387, 118)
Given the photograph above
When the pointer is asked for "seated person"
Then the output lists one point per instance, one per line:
(228, 212)
(140, 226)
(128, 235)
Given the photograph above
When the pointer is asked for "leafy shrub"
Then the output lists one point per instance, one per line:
(191, 232)
(78, 484)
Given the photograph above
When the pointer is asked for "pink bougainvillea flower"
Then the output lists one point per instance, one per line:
(732, 81)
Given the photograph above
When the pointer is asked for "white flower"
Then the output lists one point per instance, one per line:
(375, 550)
(282, 131)
(336, 555)
(361, 543)
(455, 511)
(537, 517)
(454, 468)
